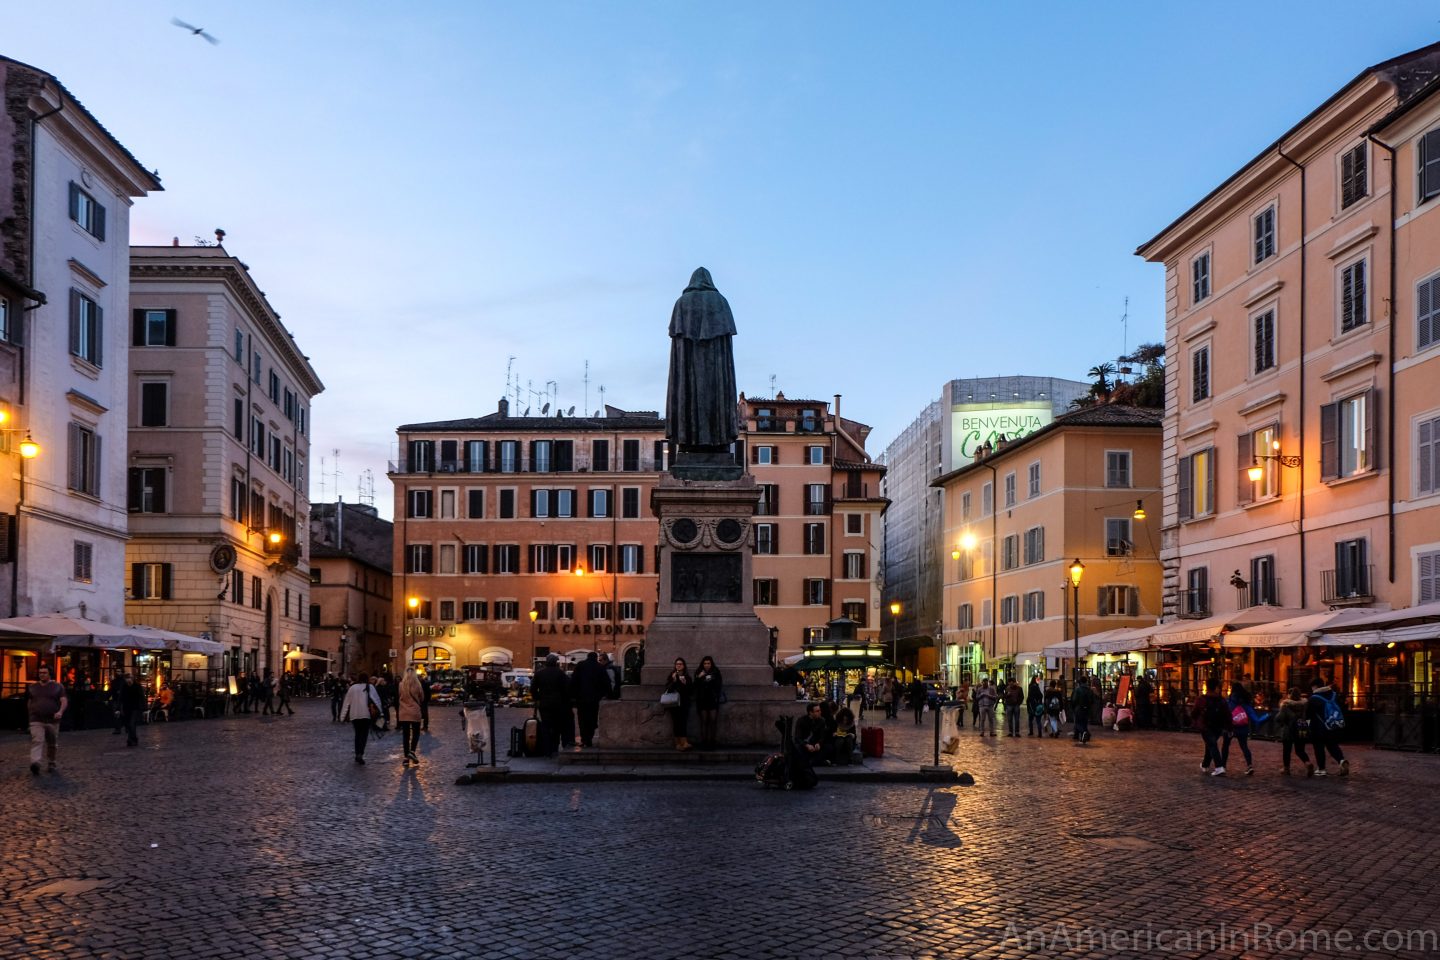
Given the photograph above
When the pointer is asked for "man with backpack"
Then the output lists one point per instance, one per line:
(1327, 722)
(1054, 704)
(1080, 704)
(1211, 717)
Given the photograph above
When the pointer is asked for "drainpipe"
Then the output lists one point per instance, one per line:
(994, 552)
(1301, 401)
(1390, 367)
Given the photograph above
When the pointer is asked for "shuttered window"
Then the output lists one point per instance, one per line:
(1348, 436)
(146, 493)
(1200, 278)
(87, 328)
(1200, 374)
(1265, 234)
(1428, 155)
(1353, 312)
(153, 328)
(87, 211)
(151, 581)
(1427, 313)
(475, 503)
(1429, 577)
(154, 404)
(84, 460)
(1196, 483)
(1427, 456)
(1354, 178)
(1264, 324)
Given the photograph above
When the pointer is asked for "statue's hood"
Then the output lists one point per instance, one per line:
(700, 280)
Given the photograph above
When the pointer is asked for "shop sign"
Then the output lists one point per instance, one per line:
(973, 424)
(428, 630)
(194, 661)
(597, 629)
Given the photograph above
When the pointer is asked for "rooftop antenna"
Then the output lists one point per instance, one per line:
(587, 386)
(602, 398)
(772, 385)
(367, 487)
(334, 473)
(1125, 339)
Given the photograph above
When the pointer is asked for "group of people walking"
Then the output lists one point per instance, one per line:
(366, 709)
(1315, 719)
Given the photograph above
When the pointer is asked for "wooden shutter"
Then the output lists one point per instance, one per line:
(564, 454)
(99, 224)
(166, 580)
(75, 321)
(137, 328)
(137, 581)
(1425, 447)
(1244, 459)
(1183, 484)
(1429, 575)
(1329, 441)
(74, 201)
(754, 453)
(1429, 165)
(534, 501)
(1209, 479)
(1427, 313)
(172, 320)
(158, 482)
(1132, 601)
(1372, 435)
(133, 495)
(475, 506)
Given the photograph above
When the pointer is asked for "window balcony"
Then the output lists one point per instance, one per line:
(1195, 604)
(1349, 586)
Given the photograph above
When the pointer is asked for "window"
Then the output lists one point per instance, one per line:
(1427, 581)
(1200, 278)
(509, 456)
(473, 610)
(257, 437)
(475, 503)
(1009, 490)
(767, 592)
(540, 456)
(507, 558)
(599, 557)
(854, 566)
(1035, 545)
(1427, 313)
(1034, 478)
(629, 503)
(274, 387)
(1353, 311)
(855, 524)
(1428, 156)
(965, 505)
(507, 503)
(854, 610)
(447, 562)
(1427, 456)
(1117, 468)
(1195, 600)
(541, 609)
(421, 504)
(814, 538)
(1354, 178)
(817, 499)
(564, 609)
(766, 539)
(1200, 374)
(87, 328)
(153, 328)
(87, 212)
(419, 558)
(540, 503)
(765, 454)
(817, 592)
(146, 490)
(237, 586)
(473, 557)
(154, 404)
(507, 610)
(1252, 447)
(599, 503)
(1263, 324)
(600, 455)
(768, 505)
(1118, 541)
(239, 500)
(632, 558)
(1262, 582)
(543, 558)
(1009, 609)
(1347, 431)
(597, 610)
(420, 456)
(965, 617)
(809, 421)
(1118, 601)
(815, 456)
(83, 567)
(985, 613)
(631, 609)
(1352, 573)
(1010, 552)
(240, 346)
(477, 454)
(287, 404)
(84, 460)
(987, 500)
(630, 455)
(1197, 484)
(447, 610)
(1265, 234)
(1034, 605)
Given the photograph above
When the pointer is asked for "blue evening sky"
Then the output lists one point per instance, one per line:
(889, 194)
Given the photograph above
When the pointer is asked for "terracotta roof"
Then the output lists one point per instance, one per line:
(858, 465)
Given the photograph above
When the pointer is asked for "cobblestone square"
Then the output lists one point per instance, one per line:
(258, 837)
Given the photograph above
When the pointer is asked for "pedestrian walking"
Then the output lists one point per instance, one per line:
(1327, 721)
(361, 709)
(1081, 703)
(1242, 722)
(424, 703)
(985, 699)
(117, 687)
(1054, 705)
(1294, 724)
(589, 684)
(551, 691)
(612, 671)
(1211, 716)
(975, 690)
(709, 695)
(46, 703)
(409, 709)
(132, 702)
(897, 696)
(1035, 709)
(337, 697)
(1144, 692)
(1014, 706)
(679, 685)
(917, 698)
(282, 690)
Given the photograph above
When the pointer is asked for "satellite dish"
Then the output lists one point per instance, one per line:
(597, 413)
(545, 409)
(570, 412)
(526, 413)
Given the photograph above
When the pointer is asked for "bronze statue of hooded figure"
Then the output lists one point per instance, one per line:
(701, 410)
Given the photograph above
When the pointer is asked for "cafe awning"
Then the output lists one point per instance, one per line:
(80, 632)
(1408, 624)
(1179, 632)
(1122, 640)
(843, 656)
(1293, 631)
(302, 655)
(183, 642)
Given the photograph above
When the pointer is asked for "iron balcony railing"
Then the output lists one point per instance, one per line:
(1195, 603)
(1347, 585)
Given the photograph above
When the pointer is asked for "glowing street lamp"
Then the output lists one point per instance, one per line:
(895, 637)
(1077, 570)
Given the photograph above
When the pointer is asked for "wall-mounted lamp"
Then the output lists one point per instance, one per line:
(1139, 510)
(29, 449)
(1257, 469)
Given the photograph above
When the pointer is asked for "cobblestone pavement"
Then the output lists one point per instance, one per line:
(252, 837)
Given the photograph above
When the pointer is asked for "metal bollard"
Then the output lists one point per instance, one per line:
(490, 714)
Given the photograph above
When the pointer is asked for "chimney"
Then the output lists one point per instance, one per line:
(174, 241)
(837, 408)
(504, 407)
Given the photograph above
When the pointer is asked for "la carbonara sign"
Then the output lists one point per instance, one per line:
(972, 424)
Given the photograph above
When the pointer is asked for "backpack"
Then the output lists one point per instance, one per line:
(1052, 705)
(1217, 714)
(1334, 718)
(1239, 718)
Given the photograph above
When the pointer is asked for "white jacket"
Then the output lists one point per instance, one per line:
(354, 707)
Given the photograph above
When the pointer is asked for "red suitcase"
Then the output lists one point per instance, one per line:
(872, 741)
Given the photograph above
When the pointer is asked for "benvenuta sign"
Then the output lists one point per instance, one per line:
(971, 428)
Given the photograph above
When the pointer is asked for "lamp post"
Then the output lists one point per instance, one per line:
(1077, 570)
(534, 615)
(895, 637)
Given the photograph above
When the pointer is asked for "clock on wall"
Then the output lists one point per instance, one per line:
(222, 558)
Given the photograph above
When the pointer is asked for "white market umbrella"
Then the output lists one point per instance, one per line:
(80, 632)
(170, 640)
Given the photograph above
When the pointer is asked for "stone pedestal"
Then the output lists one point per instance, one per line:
(705, 608)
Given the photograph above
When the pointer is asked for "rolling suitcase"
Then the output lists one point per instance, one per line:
(872, 741)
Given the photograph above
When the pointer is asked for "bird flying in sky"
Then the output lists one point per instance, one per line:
(197, 31)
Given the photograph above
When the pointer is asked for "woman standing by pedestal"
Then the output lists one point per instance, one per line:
(682, 686)
(709, 694)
